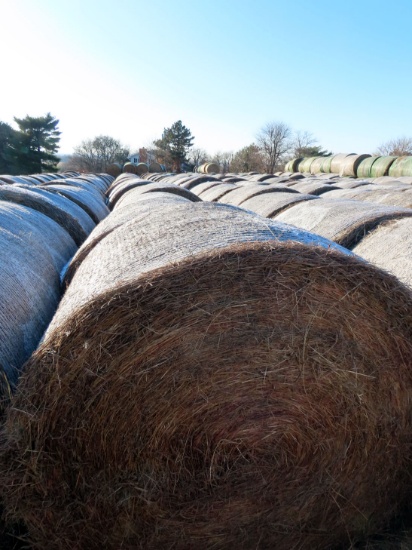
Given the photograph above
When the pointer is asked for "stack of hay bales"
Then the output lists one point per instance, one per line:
(213, 379)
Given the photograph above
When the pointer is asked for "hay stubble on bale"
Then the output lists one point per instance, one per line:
(239, 390)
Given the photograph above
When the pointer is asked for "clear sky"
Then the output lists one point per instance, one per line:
(130, 68)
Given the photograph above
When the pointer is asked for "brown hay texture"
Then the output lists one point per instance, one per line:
(34, 250)
(238, 196)
(61, 210)
(343, 221)
(271, 205)
(389, 246)
(195, 180)
(114, 170)
(132, 206)
(209, 168)
(216, 381)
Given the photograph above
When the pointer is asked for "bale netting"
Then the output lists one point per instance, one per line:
(271, 205)
(364, 168)
(305, 164)
(401, 167)
(155, 187)
(312, 187)
(316, 166)
(389, 247)
(34, 250)
(381, 166)
(217, 192)
(246, 389)
(238, 196)
(350, 165)
(63, 211)
(337, 162)
(343, 221)
(91, 203)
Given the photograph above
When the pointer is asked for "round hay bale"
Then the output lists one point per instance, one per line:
(154, 167)
(77, 182)
(312, 188)
(350, 183)
(350, 165)
(217, 192)
(293, 165)
(201, 187)
(238, 196)
(114, 169)
(34, 250)
(132, 206)
(365, 166)
(343, 221)
(306, 163)
(130, 168)
(270, 206)
(63, 211)
(374, 194)
(389, 246)
(209, 168)
(405, 179)
(100, 181)
(155, 187)
(381, 166)
(246, 389)
(337, 161)
(195, 180)
(326, 164)
(316, 166)
(93, 205)
(402, 166)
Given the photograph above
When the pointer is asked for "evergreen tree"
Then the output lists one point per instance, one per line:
(176, 141)
(8, 144)
(38, 141)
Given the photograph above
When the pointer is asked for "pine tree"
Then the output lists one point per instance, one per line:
(176, 141)
(38, 141)
(8, 144)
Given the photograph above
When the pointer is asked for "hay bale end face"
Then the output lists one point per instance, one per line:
(228, 394)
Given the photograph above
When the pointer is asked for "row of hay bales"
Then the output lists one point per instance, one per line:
(44, 218)
(139, 169)
(361, 166)
(214, 378)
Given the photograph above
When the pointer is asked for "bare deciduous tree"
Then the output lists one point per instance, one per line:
(198, 156)
(94, 155)
(248, 159)
(397, 147)
(274, 143)
(223, 159)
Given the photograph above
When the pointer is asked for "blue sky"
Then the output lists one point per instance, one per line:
(225, 68)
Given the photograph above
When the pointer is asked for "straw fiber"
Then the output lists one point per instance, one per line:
(381, 166)
(343, 221)
(241, 194)
(92, 204)
(389, 246)
(313, 187)
(217, 192)
(158, 187)
(199, 189)
(34, 250)
(271, 205)
(401, 167)
(63, 211)
(377, 195)
(215, 381)
(337, 162)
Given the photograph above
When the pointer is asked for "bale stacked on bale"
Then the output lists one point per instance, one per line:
(216, 381)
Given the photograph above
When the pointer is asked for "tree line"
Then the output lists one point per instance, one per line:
(32, 148)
